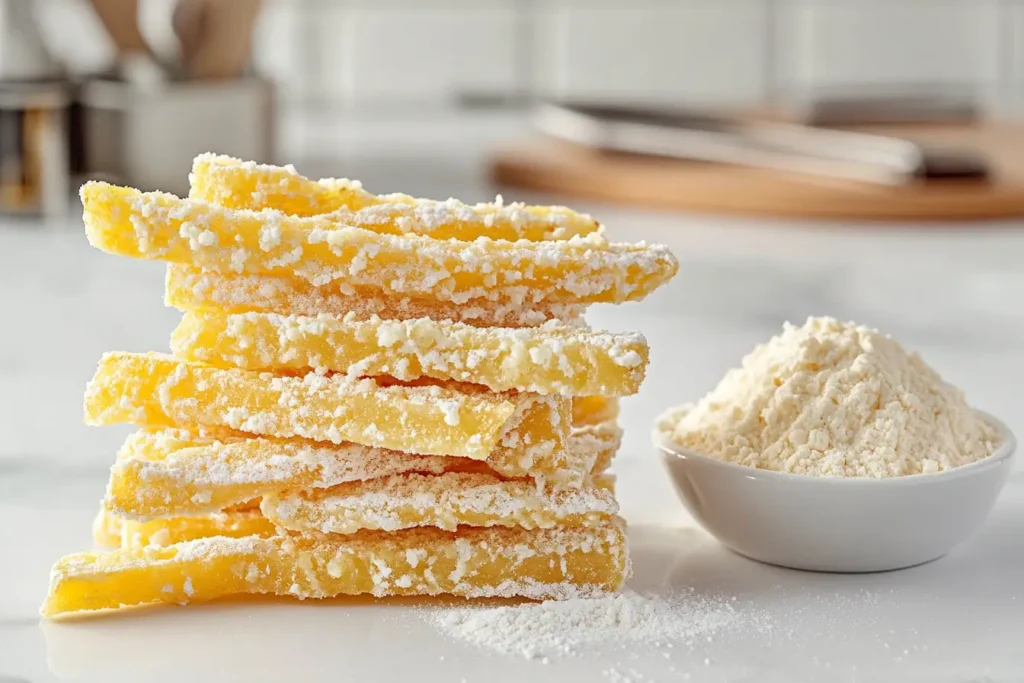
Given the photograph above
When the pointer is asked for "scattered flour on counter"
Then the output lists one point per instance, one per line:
(567, 627)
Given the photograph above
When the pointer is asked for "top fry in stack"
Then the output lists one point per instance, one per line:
(155, 225)
(236, 184)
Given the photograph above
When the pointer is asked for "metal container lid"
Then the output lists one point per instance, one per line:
(21, 95)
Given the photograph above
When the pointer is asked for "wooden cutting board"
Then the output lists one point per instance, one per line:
(563, 168)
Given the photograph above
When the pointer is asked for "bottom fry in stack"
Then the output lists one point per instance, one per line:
(558, 563)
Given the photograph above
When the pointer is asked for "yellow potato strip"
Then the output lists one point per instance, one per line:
(237, 184)
(160, 226)
(559, 563)
(171, 530)
(106, 529)
(160, 473)
(244, 506)
(195, 289)
(553, 359)
(604, 439)
(167, 472)
(446, 501)
(594, 410)
(605, 481)
(157, 390)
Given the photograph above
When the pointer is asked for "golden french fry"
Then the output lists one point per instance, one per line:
(237, 184)
(169, 472)
(171, 530)
(158, 390)
(559, 563)
(244, 506)
(110, 530)
(604, 439)
(552, 359)
(594, 410)
(160, 226)
(191, 289)
(606, 481)
(446, 501)
(106, 529)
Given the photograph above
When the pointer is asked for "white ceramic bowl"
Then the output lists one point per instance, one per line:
(835, 524)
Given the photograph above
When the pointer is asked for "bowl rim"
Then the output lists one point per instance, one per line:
(1005, 452)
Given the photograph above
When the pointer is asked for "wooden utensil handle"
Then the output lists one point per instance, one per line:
(216, 36)
(121, 20)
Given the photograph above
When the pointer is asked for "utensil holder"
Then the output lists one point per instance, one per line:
(148, 138)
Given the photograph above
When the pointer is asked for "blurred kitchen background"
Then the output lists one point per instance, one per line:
(344, 73)
(441, 98)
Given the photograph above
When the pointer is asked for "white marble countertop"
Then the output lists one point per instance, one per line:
(953, 293)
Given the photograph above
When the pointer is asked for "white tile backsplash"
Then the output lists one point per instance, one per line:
(855, 43)
(278, 54)
(420, 53)
(90, 49)
(707, 53)
(729, 52)
(1013, 33)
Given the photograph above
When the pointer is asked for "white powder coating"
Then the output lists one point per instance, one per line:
(444, 500)
(560, 628)
(834, 399)
(450, 409)
(190, 288)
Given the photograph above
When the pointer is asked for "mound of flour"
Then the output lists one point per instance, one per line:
(834, 399)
